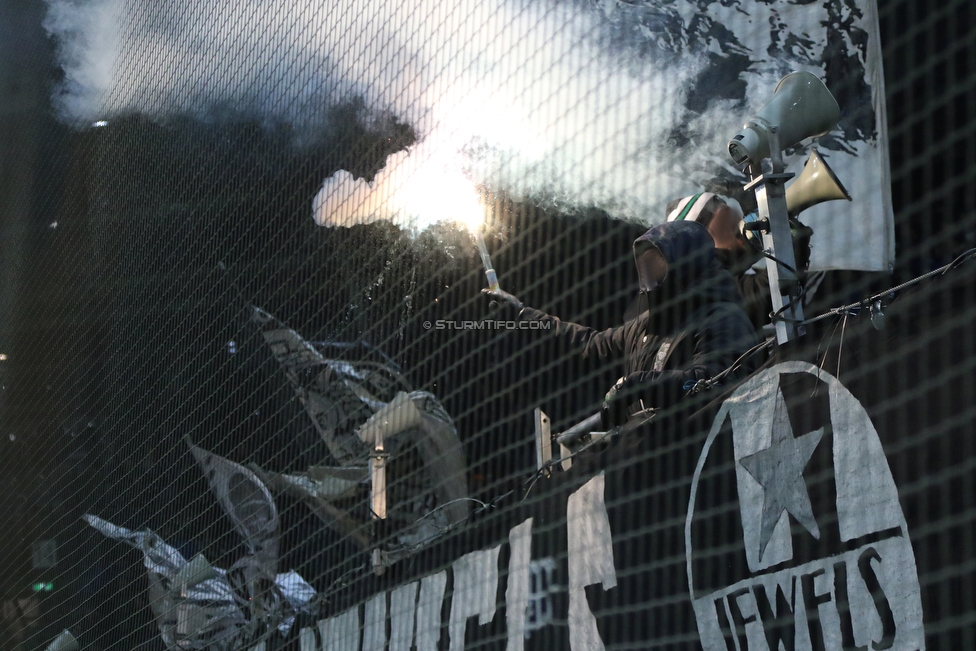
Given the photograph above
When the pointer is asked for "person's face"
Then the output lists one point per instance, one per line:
(724, 228)
(652, 268)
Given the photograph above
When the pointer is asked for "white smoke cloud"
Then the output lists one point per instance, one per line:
(512, 95)
(528, 97)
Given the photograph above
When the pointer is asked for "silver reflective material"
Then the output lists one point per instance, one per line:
(197, 607)
(202, 616)
(350, 404)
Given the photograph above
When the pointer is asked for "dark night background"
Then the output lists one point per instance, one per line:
(128, 255)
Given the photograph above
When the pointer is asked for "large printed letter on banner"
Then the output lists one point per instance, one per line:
(475, 584)
(590, 560)
(341, 633)
(403, 610)
(374, 631)
(517, 592)
(429, 611)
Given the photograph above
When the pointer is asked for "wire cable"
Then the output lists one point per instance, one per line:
(897, 288)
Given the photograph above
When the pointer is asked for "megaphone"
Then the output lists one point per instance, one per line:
(64, 642)
(815, 184)
(801, 107)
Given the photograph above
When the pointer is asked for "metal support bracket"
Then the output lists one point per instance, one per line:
(377, 497)
(543, 439)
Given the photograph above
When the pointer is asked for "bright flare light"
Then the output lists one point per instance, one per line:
(449, 196)
(442, 195)
(439, 196)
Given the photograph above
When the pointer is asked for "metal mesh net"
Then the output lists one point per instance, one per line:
(253, 396)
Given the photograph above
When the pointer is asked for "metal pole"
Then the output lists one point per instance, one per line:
(543, 439)
(778, 241)
(377, 495)
(579, 430)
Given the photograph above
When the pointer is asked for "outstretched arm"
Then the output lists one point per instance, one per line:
(600, 344)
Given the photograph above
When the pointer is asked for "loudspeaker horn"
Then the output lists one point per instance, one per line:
(801, 107)
(815, 184)
(64, 642)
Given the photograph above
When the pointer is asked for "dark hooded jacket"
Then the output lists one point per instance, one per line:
(691, 328)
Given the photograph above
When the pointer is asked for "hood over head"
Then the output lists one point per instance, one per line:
(694, 276)
(687, 247)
